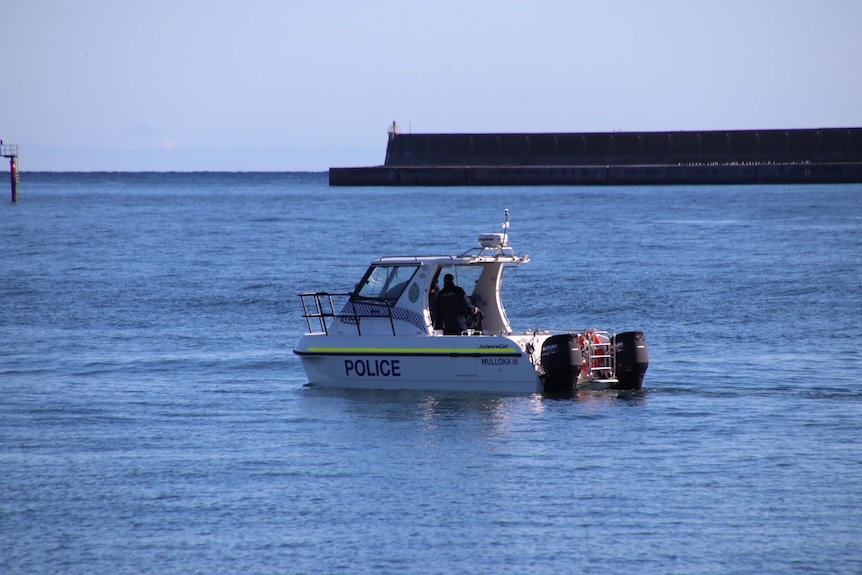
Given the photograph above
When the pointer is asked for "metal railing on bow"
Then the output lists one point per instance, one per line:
(320, 308)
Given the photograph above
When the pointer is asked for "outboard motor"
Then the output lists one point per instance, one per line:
(561, 363)
(631, 359)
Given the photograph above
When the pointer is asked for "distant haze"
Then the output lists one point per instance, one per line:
(271, 86)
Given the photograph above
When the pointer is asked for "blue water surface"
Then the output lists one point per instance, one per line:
(153, 418)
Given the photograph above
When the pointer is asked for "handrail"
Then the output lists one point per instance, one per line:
(321, 306)
(600, 358)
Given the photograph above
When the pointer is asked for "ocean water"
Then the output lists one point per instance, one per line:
(153, 418)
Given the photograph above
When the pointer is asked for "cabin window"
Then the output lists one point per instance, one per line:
(465, 276)
(385, 282)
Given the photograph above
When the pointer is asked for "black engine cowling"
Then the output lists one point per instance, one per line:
(632, 359)
(561, 363)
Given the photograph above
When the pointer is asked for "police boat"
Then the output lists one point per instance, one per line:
(385, 334)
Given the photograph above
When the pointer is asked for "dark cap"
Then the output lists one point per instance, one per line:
(448, 278)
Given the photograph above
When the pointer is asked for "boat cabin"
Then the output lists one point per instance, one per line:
(396, 294)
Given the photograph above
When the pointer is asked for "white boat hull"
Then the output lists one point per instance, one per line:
(448, 363)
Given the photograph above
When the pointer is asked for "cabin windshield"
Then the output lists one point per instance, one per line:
(385, 282)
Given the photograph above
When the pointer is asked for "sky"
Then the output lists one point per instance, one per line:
(194, 85)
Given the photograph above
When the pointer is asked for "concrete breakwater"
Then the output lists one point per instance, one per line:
(828, 155)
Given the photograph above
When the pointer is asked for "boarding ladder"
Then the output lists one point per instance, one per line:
(597, 354)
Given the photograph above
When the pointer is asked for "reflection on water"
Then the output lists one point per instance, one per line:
(496, 414)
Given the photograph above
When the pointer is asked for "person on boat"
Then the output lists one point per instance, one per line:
(432, 303)
(453, 307)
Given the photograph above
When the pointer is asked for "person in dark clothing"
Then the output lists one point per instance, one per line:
(453, 307)
(432, 305)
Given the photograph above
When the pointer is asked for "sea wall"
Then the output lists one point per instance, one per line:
(616, 158)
